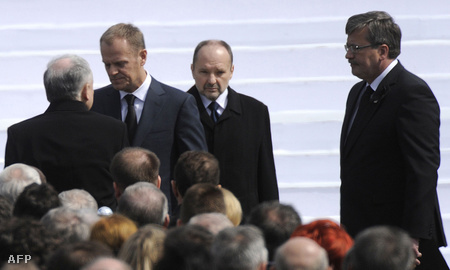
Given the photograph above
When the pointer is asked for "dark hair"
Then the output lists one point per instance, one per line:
(187, 247)
(36, 200)
(277, 222)
(202, 198)
(25, 236)
(195, 167)
(75, 256)
(381, 30)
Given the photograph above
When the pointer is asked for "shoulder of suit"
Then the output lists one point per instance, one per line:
(245, 99)
(170, 89)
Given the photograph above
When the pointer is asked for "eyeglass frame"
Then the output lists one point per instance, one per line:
(356, 48)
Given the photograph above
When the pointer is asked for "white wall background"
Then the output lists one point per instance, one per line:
(288, 54)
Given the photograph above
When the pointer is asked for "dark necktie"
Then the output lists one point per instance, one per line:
(214, 114)
(363, 106)
(131, 119)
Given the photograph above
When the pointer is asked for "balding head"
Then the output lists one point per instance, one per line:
(107, 264)
(301, 253)
(15, 177)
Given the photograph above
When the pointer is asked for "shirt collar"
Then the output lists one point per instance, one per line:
(222, 100)
(141, 92)
(374, 85)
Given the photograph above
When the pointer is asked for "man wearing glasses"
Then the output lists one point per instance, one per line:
(390, 142)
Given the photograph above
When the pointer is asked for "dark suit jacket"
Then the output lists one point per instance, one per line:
(389, 164)
(241, 140)
(72, 146)
(169, 125)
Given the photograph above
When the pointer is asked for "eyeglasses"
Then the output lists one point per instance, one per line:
(355, 48)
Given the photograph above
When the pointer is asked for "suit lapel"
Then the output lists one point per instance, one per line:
(112, 104)
(233, 106)
(153, 105)
(375, 102)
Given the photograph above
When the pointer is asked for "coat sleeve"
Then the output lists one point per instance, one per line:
(418, 137)
(190, 134)
(11, 151)
(267, 186)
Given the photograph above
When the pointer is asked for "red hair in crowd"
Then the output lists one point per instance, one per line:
(328, 234)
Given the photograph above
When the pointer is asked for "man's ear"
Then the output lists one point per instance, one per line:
(179, 222)
(117, 191)
(176, 192)
(173, 183)
(84, 95)
(159, 182)
(143, 55)
(166, 221)
(384, 51)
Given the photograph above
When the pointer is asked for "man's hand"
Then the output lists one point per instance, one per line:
(416, 250)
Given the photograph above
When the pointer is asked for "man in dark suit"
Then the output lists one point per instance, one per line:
(160, 118)
(390, 141)
(71, 145)
(237, 129)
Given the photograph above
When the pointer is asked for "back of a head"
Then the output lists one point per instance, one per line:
(76, 255)
(233, 207)
(25, 236)
(36, 200)
(214, 222)
(78, 199)
(202, 198)
(277, 222)
(380, 248)
(65, 77)
(301, 253)
(144, 248)
(134, 164)
(113, 231)
(195, 167)
(239, 248)
(144, 203)
(187, 247)
(15, 177)
(6, 208)
(69, 224)
(329, 235)
(107, 263)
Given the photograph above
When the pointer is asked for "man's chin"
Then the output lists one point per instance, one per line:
(119, 86)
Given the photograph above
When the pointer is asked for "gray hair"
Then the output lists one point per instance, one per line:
(239, 248)
(65, 77)
(14, 178)
(381, 247)
(71, 225)
(144, 203)
(382, 30)
(78, 199)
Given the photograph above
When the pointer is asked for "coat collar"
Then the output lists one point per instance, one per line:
(233, 106)
(67, 105)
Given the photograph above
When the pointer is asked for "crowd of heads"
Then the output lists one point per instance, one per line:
(66, 230)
